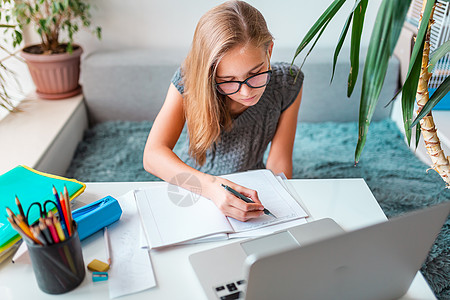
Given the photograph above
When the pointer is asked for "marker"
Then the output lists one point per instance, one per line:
(245, 199)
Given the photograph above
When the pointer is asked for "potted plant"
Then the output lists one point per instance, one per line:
(388, 23)
(54, 64)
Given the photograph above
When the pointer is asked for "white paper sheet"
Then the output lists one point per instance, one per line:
(165, 222)
(131, 269)
(273, 196)
(267, 230)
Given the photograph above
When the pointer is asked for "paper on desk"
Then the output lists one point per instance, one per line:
(267, 230)
(131, 269)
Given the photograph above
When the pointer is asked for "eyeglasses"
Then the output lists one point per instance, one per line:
(256, 81)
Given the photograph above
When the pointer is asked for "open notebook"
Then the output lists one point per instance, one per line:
(171, 215)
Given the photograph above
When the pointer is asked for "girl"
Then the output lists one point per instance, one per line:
(234, 103)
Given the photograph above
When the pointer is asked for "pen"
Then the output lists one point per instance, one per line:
(245, 199)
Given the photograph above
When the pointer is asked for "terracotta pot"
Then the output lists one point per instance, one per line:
(55, 75)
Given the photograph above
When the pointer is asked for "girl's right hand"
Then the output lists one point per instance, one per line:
(232, 206)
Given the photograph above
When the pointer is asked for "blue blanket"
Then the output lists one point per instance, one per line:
(112, 151)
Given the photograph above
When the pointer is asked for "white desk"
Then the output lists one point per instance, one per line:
(348, 201)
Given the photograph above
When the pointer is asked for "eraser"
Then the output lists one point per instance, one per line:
(99, 276)
(98, 266)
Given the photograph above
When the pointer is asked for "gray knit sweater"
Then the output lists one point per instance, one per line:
(243, 147)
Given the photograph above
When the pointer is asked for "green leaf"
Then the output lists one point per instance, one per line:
(409, 90)
(376, 64)
(401, 9)
(326, 16)
(410, 86)
(421, 33)
(418, 133)
(342, 38)
(440, 92)
(357, 27)
(312, 47)
(438, 54)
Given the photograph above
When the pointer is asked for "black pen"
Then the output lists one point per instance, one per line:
(245, 199)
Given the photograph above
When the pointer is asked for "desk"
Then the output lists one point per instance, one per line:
(348, 201)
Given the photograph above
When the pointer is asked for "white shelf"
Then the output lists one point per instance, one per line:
(44, 135)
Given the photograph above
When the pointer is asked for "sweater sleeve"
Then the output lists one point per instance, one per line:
(177, 80)
(292, 82)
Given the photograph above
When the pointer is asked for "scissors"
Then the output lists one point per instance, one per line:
(43, 211)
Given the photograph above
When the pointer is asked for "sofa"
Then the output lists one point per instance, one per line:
(131, 84)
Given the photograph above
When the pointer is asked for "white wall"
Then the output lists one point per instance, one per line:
(170, 24)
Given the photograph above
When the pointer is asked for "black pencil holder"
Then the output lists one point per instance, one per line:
(58, 268)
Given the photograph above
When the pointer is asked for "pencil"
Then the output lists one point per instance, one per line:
(38, 234)
(59, 229)
(21, 223)
(21, 210)
(58, 206)
(64, 209)
(46, 232)
(69, 210)
(108, 251)
(19, 230)
(52, 230)
(18, 221)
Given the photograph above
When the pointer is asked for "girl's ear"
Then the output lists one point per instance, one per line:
(269, 50)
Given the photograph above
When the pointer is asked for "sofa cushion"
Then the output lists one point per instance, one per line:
(132, 85)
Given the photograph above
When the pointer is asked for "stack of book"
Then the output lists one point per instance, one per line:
(171, 215)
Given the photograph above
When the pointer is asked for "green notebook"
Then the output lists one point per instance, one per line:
(30, 186)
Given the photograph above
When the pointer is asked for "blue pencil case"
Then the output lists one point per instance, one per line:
(96, 215)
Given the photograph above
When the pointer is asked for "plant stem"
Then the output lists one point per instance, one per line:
(440, 163)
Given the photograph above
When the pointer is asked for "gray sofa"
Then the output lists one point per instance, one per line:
(131, 85)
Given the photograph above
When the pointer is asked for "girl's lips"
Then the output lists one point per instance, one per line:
(248, 99)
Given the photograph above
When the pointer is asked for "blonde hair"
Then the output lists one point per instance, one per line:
(222, 28)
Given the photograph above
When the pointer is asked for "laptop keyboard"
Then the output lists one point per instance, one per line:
(230, 291)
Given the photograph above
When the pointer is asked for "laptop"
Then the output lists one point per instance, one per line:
(319, 260)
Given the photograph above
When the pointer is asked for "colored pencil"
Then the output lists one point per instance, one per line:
(64, 209)
(38, 235)
(69, 210)
(19, 221)
(58, 205)
(19, 206)
(52, 230)
(44, 229)
(19, 230)
(59, 229)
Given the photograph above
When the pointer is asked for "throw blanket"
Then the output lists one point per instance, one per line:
(112, 151)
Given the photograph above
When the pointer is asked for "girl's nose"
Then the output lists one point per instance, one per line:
(245, 90)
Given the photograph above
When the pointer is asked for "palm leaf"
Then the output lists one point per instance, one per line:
(323, 20)
(410, 86)
(441, 91)
(340, 43)
(312, 47)
(389, 14)
(438, 54)
(357, 27)
(342, 38)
